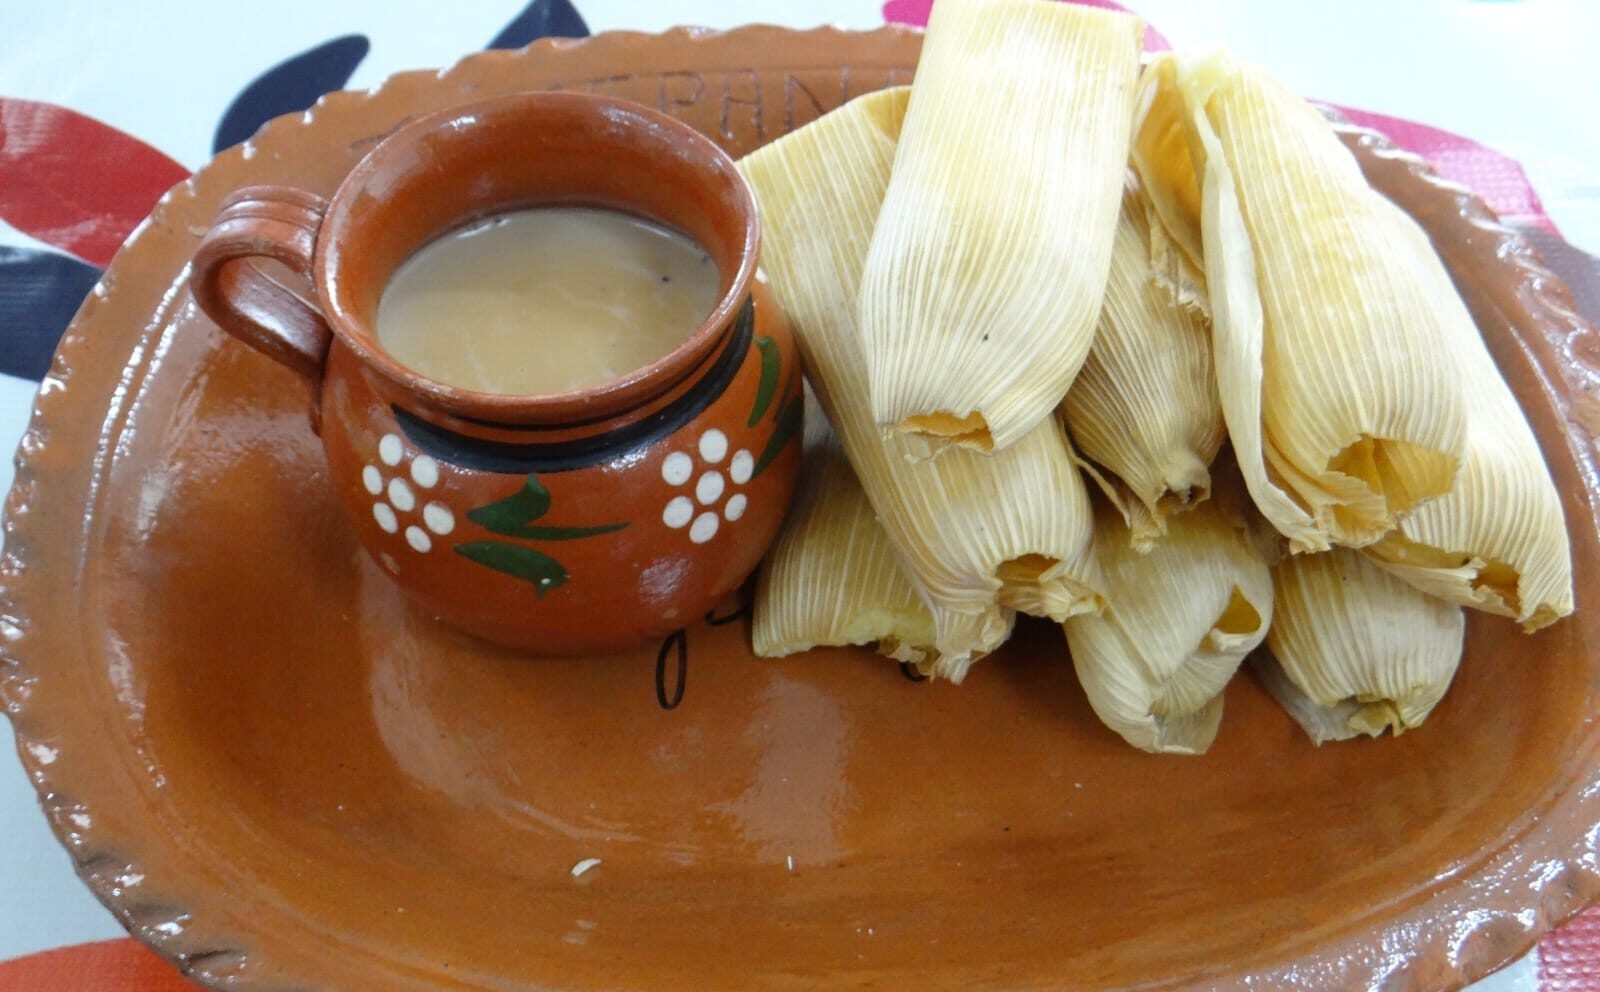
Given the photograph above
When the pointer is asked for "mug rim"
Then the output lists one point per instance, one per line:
(628, 391)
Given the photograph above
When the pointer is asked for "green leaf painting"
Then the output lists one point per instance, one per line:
(771, 365)
(513, 516)
(536, 567)
(790, 419)
(505, 516)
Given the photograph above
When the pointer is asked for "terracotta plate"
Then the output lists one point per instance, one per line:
(282, 776)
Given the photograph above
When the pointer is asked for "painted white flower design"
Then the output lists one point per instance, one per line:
(399, 490)
(707, 480)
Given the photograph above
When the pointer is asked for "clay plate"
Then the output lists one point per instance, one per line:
(280, 775)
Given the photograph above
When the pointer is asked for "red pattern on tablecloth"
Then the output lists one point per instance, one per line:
(1569, 958)
(105, 966)
(1497, 178)
(74, 182)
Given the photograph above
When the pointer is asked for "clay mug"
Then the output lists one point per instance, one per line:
(576, 523)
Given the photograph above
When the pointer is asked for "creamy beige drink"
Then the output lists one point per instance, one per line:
(546, 300)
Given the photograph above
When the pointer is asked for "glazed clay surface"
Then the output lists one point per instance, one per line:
(283, 775)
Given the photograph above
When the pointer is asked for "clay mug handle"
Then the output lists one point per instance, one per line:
(278, 223)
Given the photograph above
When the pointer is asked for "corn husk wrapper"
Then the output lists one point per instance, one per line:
(990, 256)
(1497, 541)
(1360, 651)
(1232, 499)
(1320, 723)
(1173, 269)
(1178, 622)
(832, 577)
(978, 536)
(1144, 409)
(1326, 337)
